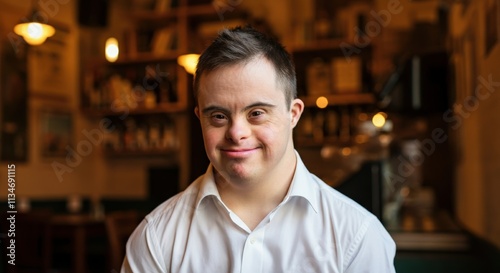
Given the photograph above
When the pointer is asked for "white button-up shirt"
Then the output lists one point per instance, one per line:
(314, 229)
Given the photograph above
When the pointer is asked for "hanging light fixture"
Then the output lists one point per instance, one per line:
(34, 32)
(189, 62)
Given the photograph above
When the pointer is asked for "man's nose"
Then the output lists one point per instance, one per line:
(239, 129)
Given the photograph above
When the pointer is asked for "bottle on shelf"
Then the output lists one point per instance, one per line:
(332, 124)
(318, 78)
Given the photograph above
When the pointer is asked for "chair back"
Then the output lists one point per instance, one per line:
(119, 227)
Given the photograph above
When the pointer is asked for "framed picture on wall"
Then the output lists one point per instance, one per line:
(56, 128)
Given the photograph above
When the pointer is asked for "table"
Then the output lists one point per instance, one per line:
(80, 227)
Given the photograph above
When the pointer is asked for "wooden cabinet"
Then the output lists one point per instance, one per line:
(143, 100)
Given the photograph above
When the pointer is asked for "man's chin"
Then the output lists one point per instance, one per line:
(238, 173)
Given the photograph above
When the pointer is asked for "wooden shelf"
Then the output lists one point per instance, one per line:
(436, 231)
(136, 59)
(147, 57)
(201, 10)
(310, 142)
(318, 45)
(146, 17)
(140, 153)
(341, 99)
(202, 13)
(164, 108)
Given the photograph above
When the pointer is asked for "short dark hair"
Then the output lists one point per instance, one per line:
(242, 45)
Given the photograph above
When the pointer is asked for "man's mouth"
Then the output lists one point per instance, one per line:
(238, 152)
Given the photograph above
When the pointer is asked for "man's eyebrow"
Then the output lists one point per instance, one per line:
(259, 104)
(208, 109)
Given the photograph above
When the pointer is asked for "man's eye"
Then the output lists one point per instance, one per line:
(218, 116)
(256, 113)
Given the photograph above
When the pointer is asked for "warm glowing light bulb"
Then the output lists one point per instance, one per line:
(322, 102)
(346, 151)
(189, 62)
(112, 50)
(34, 33)
(379, 119)
(35, 30)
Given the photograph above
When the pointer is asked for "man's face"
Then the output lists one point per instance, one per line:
(246, 123)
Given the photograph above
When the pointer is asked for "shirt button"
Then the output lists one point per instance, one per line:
(252, 241)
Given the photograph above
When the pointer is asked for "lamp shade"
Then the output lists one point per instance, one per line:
(189, 62)
(34, 33)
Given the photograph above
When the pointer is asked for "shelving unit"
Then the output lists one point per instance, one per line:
(344, 98)
(328, 69)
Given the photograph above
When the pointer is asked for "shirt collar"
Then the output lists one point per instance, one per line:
(207, 186)
(302, 186)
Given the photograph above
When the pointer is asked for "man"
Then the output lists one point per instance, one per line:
(257, 208)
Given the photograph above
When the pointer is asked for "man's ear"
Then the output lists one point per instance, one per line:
(197, 112)
(296, 109)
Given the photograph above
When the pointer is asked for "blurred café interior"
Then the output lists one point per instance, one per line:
(97, 124)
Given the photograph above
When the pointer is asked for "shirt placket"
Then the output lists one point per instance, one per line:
(253, 252)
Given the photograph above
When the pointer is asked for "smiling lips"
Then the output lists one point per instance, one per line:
(238, 153)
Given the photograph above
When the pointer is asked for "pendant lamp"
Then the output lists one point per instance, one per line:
(34, 31)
